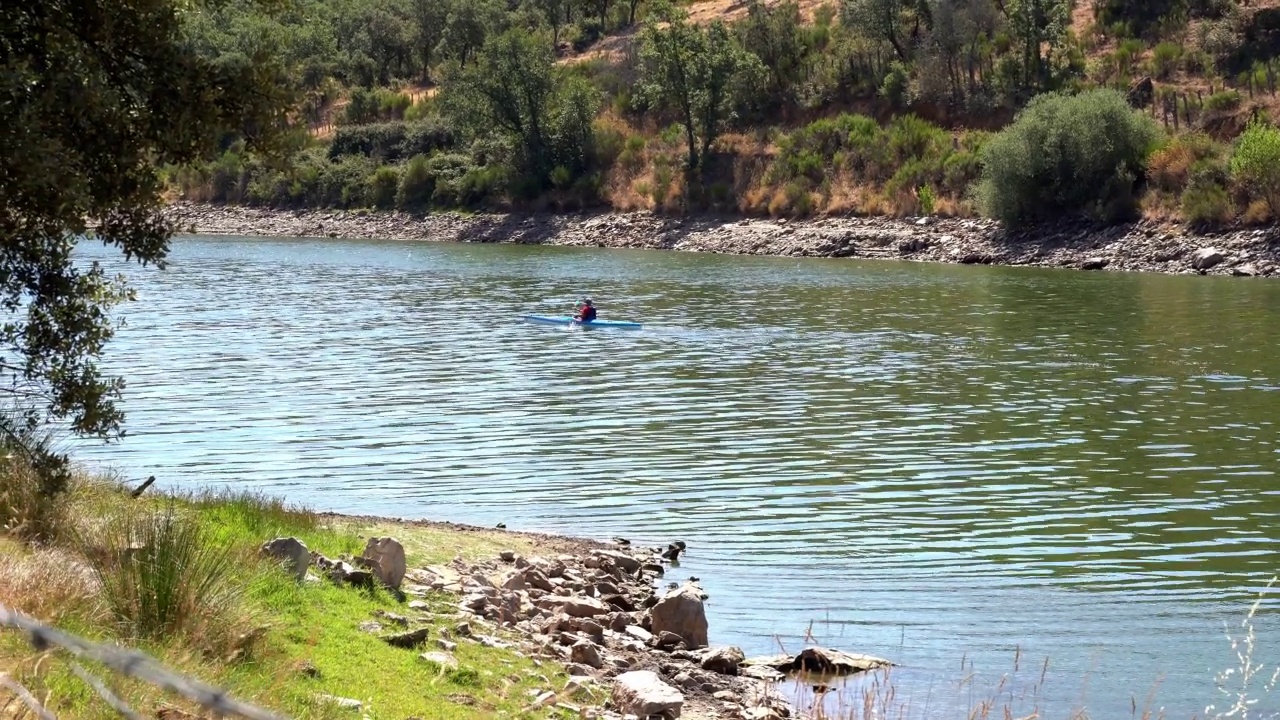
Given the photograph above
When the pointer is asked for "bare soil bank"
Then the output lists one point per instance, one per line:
(1143, 246)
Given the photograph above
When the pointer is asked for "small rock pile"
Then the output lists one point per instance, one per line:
(599, 613)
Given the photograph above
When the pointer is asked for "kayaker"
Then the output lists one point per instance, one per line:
(586, 311)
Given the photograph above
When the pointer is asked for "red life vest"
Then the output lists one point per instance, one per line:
(588, 313)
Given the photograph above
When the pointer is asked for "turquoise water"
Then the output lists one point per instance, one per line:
(927, 463)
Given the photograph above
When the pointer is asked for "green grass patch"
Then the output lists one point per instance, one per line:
(301, 641)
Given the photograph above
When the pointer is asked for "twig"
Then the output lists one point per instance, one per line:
(132, 663)
(26, 697)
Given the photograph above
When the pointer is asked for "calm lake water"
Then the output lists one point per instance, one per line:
(945, 466)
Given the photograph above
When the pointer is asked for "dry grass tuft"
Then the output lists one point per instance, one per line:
(26, 511)
(47, 583)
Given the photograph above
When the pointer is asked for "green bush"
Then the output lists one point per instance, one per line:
(896, 85)
(1164, 59)
(393, 141)
(162, 574)
(927, 199)
(383, 186)
(1255, 162)
(1206, 201)
(1224, 101)
(1064, 154)
(911, 138)
(417, 184)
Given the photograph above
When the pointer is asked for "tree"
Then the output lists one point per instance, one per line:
(469, 23)
(773, 34)
(553, 11)
(94, 96)
(429, 17)
(694, 70)
(514, 91)
(878, 20)
(1038, 25)
(632, 6)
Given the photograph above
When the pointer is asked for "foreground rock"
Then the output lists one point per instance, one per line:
(384, 557)
(1142, 246)
(681, 612)
(290, 551)
(643, 694)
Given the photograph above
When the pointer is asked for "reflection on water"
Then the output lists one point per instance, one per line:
(928, 463)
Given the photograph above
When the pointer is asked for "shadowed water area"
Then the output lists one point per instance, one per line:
(929, 463)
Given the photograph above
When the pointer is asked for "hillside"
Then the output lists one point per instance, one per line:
(784, 108)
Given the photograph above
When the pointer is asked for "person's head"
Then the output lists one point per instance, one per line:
(587, 302)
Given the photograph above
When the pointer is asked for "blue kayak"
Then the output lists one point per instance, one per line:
(566, 320)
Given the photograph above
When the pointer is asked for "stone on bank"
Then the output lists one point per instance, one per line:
(644, 694)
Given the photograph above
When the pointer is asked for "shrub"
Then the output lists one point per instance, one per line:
(448, 170)
(376, 141)
(1164, 60)
(416, 184)
(1050, 161)
(163, 574)
(895, 85)
(424, 138)
(1224, 101)
(927, 199)
(911, 138)
(392, 105)
(26, 510)
(393, 141)
(1206, 201)
(1255, 163)
(1169, 167)
(383, 186)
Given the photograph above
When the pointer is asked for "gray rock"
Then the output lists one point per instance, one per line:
(385, 557)
(1246, 270)
(681, 612)
(341, 702)
(1206, 258)
(575, 606)
(443, 659)
(590, 628)
(643, 694)
(723, 660)
(585, 652)
(622, 560)
(667, 640)
(446, 645)
(1093, 263)
(762, 672)
(290, 551)
(639, 633)
(535, 578)
(462, 629)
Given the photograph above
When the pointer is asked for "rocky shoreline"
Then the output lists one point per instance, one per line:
(632, 645)
(1143, 246)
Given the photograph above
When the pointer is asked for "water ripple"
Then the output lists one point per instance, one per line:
(929, 462)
